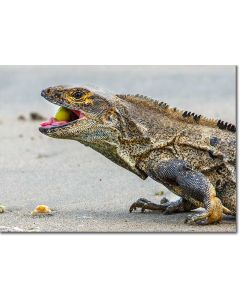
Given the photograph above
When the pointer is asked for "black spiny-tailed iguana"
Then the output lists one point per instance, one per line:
(194, 157)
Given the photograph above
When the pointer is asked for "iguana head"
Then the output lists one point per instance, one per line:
(96, 118)
(90, 110)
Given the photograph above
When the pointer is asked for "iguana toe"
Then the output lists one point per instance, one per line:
(146, 204)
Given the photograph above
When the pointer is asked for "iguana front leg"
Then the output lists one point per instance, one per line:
(192, 186)
(165, 206)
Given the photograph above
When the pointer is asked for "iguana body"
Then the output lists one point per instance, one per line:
(191, 155)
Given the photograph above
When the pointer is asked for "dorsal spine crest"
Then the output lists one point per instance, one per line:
(186, 116)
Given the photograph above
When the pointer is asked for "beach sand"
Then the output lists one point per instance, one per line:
(86, 192)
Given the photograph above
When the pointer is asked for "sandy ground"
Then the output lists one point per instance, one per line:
(87, 192)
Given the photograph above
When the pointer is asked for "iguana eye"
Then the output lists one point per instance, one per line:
(78, 95)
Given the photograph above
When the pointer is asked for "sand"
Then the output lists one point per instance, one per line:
(86, 192)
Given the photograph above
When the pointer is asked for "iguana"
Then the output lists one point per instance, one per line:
(193, 156)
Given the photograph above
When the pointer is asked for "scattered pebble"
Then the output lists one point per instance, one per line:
(41, 210)
(2, 209)
(34, 116)
(159, 193)
(21, 118)
(42, 156)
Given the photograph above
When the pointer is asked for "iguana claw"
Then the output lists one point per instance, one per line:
(146, 204)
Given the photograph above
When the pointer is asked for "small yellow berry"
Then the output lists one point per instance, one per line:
(63, 114)
(41, 209)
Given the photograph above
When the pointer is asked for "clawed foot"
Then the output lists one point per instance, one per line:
(191, 220)
(211, 216)
(201, 219)
(146, 204)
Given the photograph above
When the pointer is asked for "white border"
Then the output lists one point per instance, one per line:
(133, 266)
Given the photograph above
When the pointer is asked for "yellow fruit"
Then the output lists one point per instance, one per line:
(63, 114)
(41, 209)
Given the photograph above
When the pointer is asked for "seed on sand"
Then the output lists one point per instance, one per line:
(34, 116)
(2, 208)
(41, 210)
(21, 118)
(159, 193)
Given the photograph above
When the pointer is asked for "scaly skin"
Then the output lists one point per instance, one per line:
(191, 155)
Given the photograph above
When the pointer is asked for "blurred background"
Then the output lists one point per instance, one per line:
(208, 90)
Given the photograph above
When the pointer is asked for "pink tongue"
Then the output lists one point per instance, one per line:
(53, 122)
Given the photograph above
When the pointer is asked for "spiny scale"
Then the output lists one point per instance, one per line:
(226, 125)
(187, 115)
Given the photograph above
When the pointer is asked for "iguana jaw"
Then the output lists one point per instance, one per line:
(89, 110)
(53, 122)
(52, 125)
(64, 128)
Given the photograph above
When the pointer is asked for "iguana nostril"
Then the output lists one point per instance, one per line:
(43, 93)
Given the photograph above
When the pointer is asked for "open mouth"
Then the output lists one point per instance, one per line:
(63, 117)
